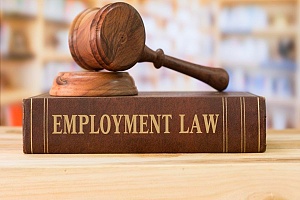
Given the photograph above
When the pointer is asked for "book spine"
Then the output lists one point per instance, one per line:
(144, 125)
(35, 122)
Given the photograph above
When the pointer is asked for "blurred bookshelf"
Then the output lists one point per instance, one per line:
(259, 46)
(257, 41)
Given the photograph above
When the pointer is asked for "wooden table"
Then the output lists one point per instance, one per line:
(271, 175)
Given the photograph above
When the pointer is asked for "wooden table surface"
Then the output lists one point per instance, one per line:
(271, 175)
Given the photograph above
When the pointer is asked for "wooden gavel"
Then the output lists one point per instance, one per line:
(113, 38)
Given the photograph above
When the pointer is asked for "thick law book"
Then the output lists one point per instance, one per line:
(151, 122)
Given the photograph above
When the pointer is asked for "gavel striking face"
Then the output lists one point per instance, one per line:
(113, 38)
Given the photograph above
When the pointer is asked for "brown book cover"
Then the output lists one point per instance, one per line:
(151, 122)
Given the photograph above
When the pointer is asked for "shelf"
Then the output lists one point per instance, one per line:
(267, 32)
(9, 96)
(60, 23)
(240, 65)
(18, 16)
(58, 57)
(235, 2)
(279, 101)
(257, 68)
(17, 57)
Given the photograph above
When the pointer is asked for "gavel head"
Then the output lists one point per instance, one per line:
(112, 37)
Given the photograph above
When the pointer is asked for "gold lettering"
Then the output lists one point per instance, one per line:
(182, 124)
(196, 125)
(93, 125)
(155, 122)
(130, 124)
(56, 124)
(68, 124)
(117, 122)
(102, 124)
(211, 123)
(143, 124)
(75, 124)
(167, 117)
(83, 120)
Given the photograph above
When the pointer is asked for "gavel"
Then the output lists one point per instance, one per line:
(113, 38)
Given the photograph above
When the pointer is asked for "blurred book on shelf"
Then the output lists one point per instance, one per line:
(19, 8)
(13, 115)
(4, 38)
(62, 11)
(243, 19)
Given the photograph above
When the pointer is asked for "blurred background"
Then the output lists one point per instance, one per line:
(257, 41)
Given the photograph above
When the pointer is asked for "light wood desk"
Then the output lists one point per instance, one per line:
(271, 175)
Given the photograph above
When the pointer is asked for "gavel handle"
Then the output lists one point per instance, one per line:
(215, 77)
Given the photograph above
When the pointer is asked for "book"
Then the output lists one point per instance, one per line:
(13, 113)
(150, 122)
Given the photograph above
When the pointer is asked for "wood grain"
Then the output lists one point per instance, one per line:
(217, 78)
(85, 60)
(120, 36)
(113, 38)
(271, 175)
(93, 84)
